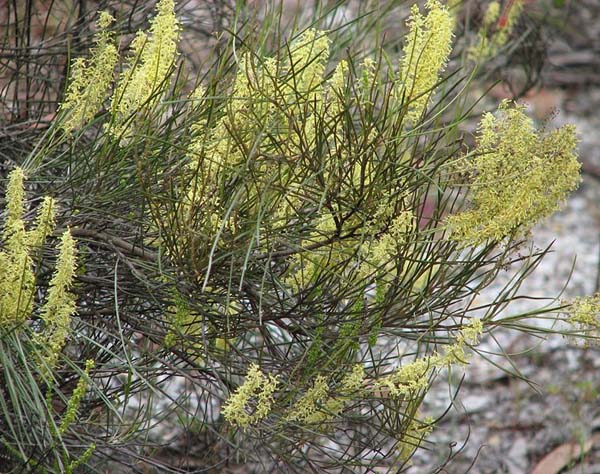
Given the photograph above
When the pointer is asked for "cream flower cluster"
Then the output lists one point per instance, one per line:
(253, 400)
(518, 176)
(17, 276)
(90, 78)
(427, 48)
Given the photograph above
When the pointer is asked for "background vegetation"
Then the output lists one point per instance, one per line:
(280, 234)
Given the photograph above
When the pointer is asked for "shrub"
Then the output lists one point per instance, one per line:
(281, 261)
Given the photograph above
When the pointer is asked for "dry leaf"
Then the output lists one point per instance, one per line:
(563, 455)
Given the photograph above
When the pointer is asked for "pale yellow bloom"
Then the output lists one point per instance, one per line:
(305, 409)
(491, 14)
(152, 58)
(471, 332)
(44, 224)
(304, 90)
(414, 376)
(335, 89)
(81, 460)
(60, 304)
(457, 353)
(309, 56)
(585, 312)
(90, 79)
(518, 177)
(317, 406)
(427, 48)
(505, 30)
(353, 381)
(368, 80)
(15, 204)
(380, 253)
(76, 397)
(490, 44)
(17, 279)
(216, 151)
(306, 264)
(257, 388)
(413, 437)
(407, 379)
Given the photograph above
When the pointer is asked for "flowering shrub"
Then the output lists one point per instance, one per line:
(293, 241)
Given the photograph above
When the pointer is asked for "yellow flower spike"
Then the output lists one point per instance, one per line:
(81, 460)
(334, 90)
(15, 204)
(76, 397)
(407, 379)
(90, 79)
(453, 354)
(353, 381)
(381, 252)
(428, 46)
(17, 279)
(152, 57)
(242, 89)
(368, 80)
(257, 388)
(457, 353)
(316, 406)
(309, 56)
(60, 304)
(508, 20)
(44, 224)
(414, 376)
(585, 313)
(502, 24)
(491, 14)
(307, 406)
(414, 435)
(304, 92)
(334, 98)
(198, 144)
(259, 82)
(212, 151)
(471, 332)
(337, 84)
(518, 177)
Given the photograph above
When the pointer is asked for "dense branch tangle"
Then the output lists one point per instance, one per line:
(287, 239)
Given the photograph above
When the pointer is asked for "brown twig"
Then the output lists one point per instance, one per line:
(125, 246)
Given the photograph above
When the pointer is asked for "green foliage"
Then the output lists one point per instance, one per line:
(282, 255)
